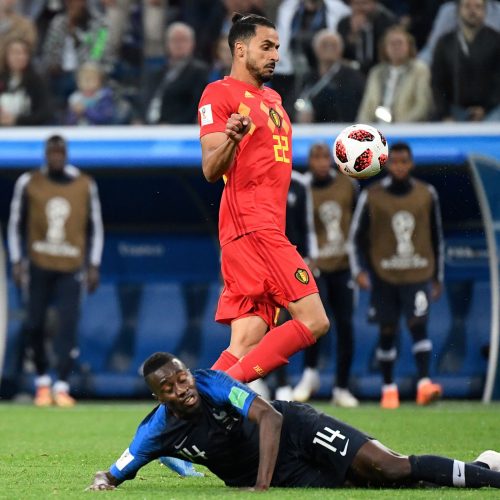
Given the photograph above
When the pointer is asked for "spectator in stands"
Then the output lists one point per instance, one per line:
(171, 95)
(297, 22)
(362, 31)
(121, 18)
(14, 26)
(41, 13)
(334, 91)
(465, 69)
(74, 37)
(24, 98)
(55, 216)
(93, 103)
(446, 20)
(399, 87)
(396, 250)
(269, 7)
(333, 198)
(421, 14)
(223, 59)
(211, 19)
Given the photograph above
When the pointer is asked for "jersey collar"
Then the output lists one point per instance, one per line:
(243, 85)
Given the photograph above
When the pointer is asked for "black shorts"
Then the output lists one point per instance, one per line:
(316, 450)
(388, 302)
(337, 292)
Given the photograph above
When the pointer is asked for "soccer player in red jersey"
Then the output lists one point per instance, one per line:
(246, 138)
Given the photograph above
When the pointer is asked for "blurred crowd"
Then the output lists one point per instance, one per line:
(114, 62)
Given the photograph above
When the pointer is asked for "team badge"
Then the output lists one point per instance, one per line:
(275, 117)
(302, 275)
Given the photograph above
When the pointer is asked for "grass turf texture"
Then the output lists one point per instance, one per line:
(52, 452)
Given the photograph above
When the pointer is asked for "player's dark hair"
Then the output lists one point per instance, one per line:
(155, 361)
(401, 146)
(243, 28)
(55, 140)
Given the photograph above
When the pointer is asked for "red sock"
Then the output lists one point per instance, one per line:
(272, 351)
(225, 361)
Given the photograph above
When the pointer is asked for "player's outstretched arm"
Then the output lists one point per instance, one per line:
(218, 148)
(269, 422)
(103, 480)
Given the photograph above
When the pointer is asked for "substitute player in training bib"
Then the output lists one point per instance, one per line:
(246, 138)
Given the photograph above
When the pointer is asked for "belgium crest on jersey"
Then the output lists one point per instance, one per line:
(275, 117)
(302, 275)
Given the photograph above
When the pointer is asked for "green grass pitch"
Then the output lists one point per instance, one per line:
(53, 453)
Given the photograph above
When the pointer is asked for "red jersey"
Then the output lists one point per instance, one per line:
(257, 182)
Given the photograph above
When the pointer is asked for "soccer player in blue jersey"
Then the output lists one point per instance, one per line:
(211, 419)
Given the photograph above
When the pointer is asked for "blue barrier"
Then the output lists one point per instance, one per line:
(178, 146)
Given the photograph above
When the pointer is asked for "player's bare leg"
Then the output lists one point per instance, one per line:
(246, 333)
(311, 312)
(376, 465)
(309, 322)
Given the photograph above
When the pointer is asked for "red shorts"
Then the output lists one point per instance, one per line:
(262, 272)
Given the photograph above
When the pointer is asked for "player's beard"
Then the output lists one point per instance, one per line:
(258, 74)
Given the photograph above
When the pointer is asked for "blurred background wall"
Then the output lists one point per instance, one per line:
(160, 270)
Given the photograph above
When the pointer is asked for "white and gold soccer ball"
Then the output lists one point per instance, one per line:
(360, 151)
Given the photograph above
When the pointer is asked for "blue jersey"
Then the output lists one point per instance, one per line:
(315, 449)
(219, 437)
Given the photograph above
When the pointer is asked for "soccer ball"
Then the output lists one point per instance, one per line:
(360, 151)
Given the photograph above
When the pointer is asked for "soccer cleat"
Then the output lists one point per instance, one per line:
(284, 393)
(308, 385)
(491, 459)
(63, 399)
(181, 467)
(428, 392)
(390, 397)
(261, 388)
(344, 398)
(43, 396)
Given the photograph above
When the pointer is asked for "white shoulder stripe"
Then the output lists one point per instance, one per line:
(16, 209)
(97, 236)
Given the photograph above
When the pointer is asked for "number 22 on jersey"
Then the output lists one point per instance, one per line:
(281, 148)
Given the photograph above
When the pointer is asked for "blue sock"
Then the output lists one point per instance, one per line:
(182, 467)
(448, 472)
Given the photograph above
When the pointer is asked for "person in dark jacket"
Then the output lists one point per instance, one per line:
(24, 98)
(363, 29)
(334, 90)
(465, 70)
(171, 94)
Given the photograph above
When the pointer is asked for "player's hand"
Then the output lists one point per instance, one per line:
(93, 279)
(363, 280)
(101, 482)
(237, 126)
(436, 290)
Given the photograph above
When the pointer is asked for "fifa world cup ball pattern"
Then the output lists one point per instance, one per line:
(360, 151)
